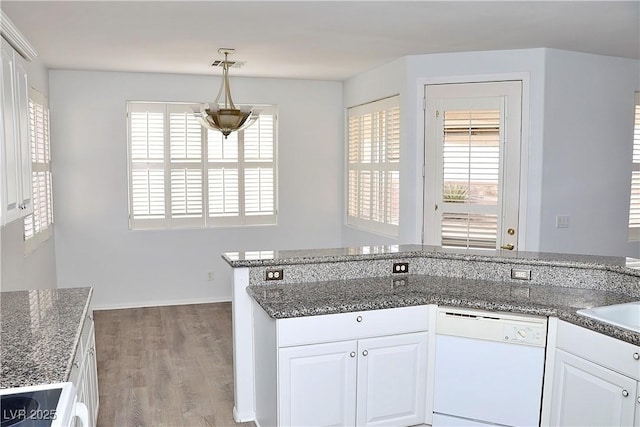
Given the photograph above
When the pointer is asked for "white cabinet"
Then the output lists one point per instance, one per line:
(586, 394)
(595, 380)
(391, 386)
(333, 370)
(369, 382)
(84, 373)
(318, 384)
(15, 151)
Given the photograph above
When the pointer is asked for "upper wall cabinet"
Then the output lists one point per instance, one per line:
(15, 149)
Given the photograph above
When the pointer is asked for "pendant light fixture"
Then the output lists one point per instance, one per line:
(226, 117)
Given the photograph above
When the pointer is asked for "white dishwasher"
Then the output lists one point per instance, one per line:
(489, 368)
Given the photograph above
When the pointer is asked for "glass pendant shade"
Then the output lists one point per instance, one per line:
(225, 118)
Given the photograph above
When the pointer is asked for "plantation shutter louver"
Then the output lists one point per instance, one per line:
(471, 140)
(373, 166)
(183, 175)
(634, 205)
(38, 225)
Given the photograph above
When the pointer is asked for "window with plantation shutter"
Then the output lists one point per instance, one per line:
(38, 224)
(373, 161)
(634, 206)
(183, 175)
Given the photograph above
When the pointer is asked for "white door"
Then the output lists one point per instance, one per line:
(392, 378)
(317, 385)
(472, 165)
(586, 394)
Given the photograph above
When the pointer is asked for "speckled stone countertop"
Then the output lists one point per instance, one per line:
(629, 266)
(340, 296)
(39, 333)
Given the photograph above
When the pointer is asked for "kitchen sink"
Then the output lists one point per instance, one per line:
(623, 315)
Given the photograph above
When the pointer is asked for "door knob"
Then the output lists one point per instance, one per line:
(511, 232)
(508, 247)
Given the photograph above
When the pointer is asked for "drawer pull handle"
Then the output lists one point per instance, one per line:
(353, 354)
(625, 393)
(359, 319)
(364, 353)
(636, 356)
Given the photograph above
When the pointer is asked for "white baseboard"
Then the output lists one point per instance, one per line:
(162, 303)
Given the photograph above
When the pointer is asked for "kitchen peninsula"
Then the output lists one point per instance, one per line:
(290, 285)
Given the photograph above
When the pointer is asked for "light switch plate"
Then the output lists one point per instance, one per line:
(562, 221)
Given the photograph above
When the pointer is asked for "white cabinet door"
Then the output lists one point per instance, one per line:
(586, 394)
(637, 396)
(392, 379)
(8, 148)
(317, 385)
(91, 377)
(23, 142)
(15, 147)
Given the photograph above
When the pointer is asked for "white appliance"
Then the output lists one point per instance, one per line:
(489, 368)
(51, 405)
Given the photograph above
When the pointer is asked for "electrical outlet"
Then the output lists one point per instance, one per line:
(274, 274)
(210, 276)
(520, 274)
(400, 267)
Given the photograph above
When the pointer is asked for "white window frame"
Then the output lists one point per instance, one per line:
(243, 217)
(634, 197)
(381, 216)
(38, 225)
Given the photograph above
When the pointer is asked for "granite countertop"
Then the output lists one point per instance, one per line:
(630, 266)
(39, 333)
(340, 296)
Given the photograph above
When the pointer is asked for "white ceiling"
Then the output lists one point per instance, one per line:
(327, 40)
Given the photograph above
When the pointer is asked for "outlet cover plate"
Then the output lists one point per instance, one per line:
(400, 267)
(274, 274)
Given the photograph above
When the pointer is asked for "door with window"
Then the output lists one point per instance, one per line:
(472, 165)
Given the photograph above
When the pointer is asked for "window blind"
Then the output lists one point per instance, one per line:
(634, 205)
(183, 175)
(373, 158)
(38, 224)
(470, 177)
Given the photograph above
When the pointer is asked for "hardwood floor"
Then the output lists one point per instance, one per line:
(165, 366)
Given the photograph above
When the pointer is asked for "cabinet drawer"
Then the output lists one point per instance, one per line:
(345, 326)
(611, 353)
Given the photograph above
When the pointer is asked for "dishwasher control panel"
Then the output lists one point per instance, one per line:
(524, 334)
(492, 326)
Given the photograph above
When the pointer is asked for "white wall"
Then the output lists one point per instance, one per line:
(588, 134)
(575, 104)
(134, 268)
(36, 270)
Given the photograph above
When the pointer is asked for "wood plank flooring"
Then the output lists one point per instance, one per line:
(165, 366)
